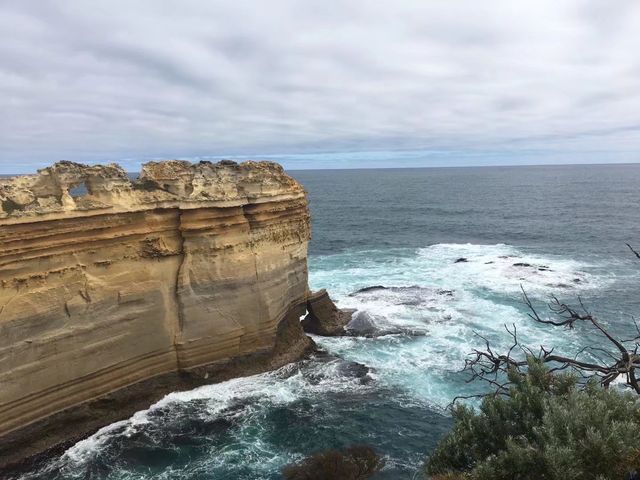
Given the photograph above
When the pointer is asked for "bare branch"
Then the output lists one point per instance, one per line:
(634, 252)
(493, 368)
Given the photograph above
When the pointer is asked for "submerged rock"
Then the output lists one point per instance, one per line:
(353, 369)
(357, 462)
(362, 324)
(448, 293)
(461, 260)
(369, 289)
(323, 317)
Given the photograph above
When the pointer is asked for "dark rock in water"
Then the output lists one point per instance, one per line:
(343, 368)
(207, 427)
(461, 260)
(324, 318)
(356, 370)
(369, 289)
(448, 293)
(521, 264)
(544, 268)
(351, 463)
(577, 280)
(489, 262)
(353, 369)
(362, 324)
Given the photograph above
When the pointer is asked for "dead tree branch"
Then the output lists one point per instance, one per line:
(620, 362)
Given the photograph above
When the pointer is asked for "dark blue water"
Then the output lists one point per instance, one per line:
(562, 209)
(552, 230)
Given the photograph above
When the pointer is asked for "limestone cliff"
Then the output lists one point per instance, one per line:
(113, 291)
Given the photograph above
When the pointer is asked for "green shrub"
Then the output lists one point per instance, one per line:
(545, 428)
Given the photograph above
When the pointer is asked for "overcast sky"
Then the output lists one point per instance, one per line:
(442, 82)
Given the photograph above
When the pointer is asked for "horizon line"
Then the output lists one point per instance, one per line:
(421, 167)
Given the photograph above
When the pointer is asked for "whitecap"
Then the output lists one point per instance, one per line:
(448, 302)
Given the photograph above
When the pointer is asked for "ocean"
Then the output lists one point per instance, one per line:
(453, 247)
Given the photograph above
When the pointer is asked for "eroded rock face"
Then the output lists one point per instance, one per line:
(323, 317)
(112, 298)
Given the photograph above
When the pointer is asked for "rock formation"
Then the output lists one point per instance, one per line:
(115, 291)
(323, 317)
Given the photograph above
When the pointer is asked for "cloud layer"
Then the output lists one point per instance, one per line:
(492, 81)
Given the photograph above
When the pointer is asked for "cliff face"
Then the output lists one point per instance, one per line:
(116, 296)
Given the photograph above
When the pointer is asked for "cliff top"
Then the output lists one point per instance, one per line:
(67, 187)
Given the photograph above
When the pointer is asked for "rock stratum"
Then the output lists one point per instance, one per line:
(115, 291)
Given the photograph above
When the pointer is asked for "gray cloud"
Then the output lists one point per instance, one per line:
(460, 81)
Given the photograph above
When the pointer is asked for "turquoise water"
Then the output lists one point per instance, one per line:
(551, 230)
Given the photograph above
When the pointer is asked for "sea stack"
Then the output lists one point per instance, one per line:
(324, 317)
(114, 292)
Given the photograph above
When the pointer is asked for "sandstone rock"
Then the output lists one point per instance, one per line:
(323, 317)
(112, 298)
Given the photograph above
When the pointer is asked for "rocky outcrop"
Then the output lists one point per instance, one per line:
(323, 317)
(363, 325)
(115, 291)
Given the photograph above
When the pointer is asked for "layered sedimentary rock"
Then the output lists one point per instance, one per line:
(113, 291)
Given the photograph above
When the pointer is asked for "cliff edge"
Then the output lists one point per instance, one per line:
(114, 291)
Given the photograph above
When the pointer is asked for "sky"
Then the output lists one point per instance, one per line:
(319, 84)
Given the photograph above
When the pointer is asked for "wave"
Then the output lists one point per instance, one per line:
(499, 268)
(438, 299)
(504, 269)
(227, 417)
(429, 303)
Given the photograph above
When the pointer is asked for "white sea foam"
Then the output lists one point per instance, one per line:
(84, 449)
(448, 293)
(435, 303)
(503, 269)
(430, 312)
(310, 380)
(498, 268)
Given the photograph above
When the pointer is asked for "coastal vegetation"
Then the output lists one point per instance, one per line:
(548, 416)
(548, 426)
